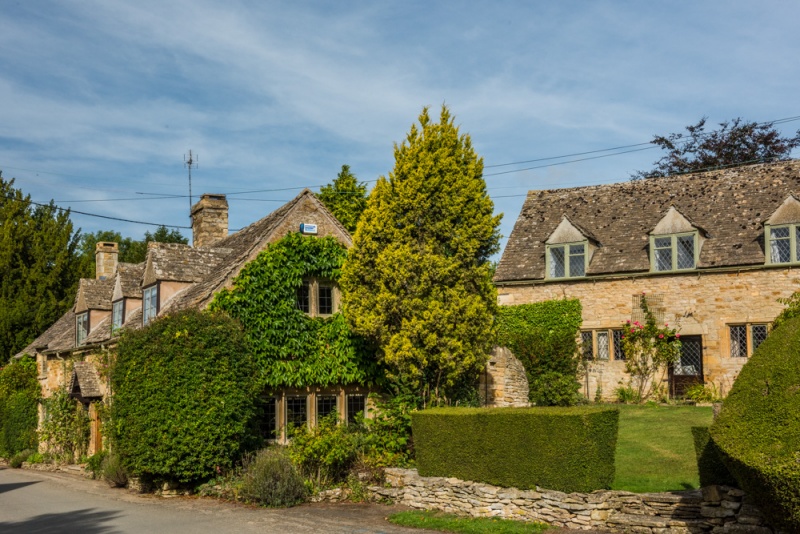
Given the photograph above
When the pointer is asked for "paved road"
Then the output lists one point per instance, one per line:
(32, 502)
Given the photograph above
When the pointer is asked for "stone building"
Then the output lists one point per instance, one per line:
(711, 252)
(74, 352)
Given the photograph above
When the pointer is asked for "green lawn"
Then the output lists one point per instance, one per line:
(655, 449)
(464, 525)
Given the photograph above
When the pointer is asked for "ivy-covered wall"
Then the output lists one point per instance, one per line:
(293, 349)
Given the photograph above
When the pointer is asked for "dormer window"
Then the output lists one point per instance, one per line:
(782, 243)
(149, 303)
(675, 252)
(567, 260)
(81, 327)
(117, 315)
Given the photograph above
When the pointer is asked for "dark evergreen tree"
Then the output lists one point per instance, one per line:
(346, 198)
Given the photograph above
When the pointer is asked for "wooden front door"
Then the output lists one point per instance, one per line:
(689, 369)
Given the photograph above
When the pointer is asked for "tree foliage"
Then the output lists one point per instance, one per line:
(736, 142)
(346, 198)
(291, 348)
(418, 279)
(649, 350)
(184, 394)
(130, 250)
(39, 268)
(19, 402)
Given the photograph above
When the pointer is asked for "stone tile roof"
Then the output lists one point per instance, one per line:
(130, 279)
(730, 206)
(60, 336)
(100, 333)
(94, 294)
(84, 381)
(180, 263)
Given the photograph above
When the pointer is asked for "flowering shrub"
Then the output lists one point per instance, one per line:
(649, 351)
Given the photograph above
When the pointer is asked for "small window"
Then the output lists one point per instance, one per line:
(117, 315)
(324, 299)
(296, 411)
(673, 252)
(619, 354)
(738, 341)
(587, 345)
(783, 243)
(355, 404)
(758, 333)
(602, 345)
(304, 297)
(150, 304)
(81, 327)
(268, 418)
(326, 405)
(745, 338)
(567, 261)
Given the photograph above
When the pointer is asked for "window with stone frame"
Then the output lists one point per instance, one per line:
(149, 303)
(317, 297)
(356, 403)
(567, 260)
(782, 243)
(745, 338)
(81, 327)
(297, 411)
(326, 405)
(673, 252)
(602, 344)
(268, 418)
(617, 335)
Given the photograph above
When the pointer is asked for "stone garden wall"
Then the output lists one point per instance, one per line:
(715, 509)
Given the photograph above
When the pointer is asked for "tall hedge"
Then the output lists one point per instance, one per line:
(566, 449)
(758, 429)
(543, 336)
(19, 406)
(184, 390)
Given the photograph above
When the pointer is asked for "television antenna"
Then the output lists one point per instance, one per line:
(191, 161)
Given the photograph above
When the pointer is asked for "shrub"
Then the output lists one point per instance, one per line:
(270, 478)
(113, 471)
(36, 458)
(709, 460)
(389, 441)
(758, 429)
(543, 336)
(326, 453)
(19, 397)
(65, 429)
(704, 393)
(17, 460)
(95, 463)
(626, 395)
(566, 449)
(184, 394)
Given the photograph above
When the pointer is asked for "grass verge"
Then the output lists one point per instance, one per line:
(466, 525)
(655, 448)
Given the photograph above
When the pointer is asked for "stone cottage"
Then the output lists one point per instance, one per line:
(711, 252)
(75, 350)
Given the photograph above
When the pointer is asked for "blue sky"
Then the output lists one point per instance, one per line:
(100, 100)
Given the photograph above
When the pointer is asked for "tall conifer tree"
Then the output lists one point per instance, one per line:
(417, 281)
(346, 198)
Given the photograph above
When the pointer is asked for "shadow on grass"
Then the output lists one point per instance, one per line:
(15, 485)
(83, 521)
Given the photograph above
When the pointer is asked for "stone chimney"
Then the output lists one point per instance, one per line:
(105, 259)
(209, 220)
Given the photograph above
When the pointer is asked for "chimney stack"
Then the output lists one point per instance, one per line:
(105, 259)
(209, 220)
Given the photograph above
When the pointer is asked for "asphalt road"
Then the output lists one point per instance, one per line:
(33, 502)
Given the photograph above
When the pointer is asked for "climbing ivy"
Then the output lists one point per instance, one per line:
(291, 348)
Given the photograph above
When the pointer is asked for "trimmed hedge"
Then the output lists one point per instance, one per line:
(709, 460)
(565, 449)
(19, 406)
(758, 429)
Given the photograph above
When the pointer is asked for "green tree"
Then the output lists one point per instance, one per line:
(130, 250)
(417, 281)
(736, 142)
(39, 267)
(346, 198)
(19, 402)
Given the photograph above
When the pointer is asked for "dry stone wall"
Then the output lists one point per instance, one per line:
(715, 509)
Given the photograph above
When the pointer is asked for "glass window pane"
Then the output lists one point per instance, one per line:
(325, 300)
(577, 260)
(618, 353)
(326, 405)
(81, 327)
(663, 259)
(602, 345)
(268, 418)
(557, 264)
(780, 245)
(296, 411)
(738, 341)
(355, 404)
(663, 242)
(587, 345)
(303, 298)
(758, 333)
(686, 252)
(116, 313)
